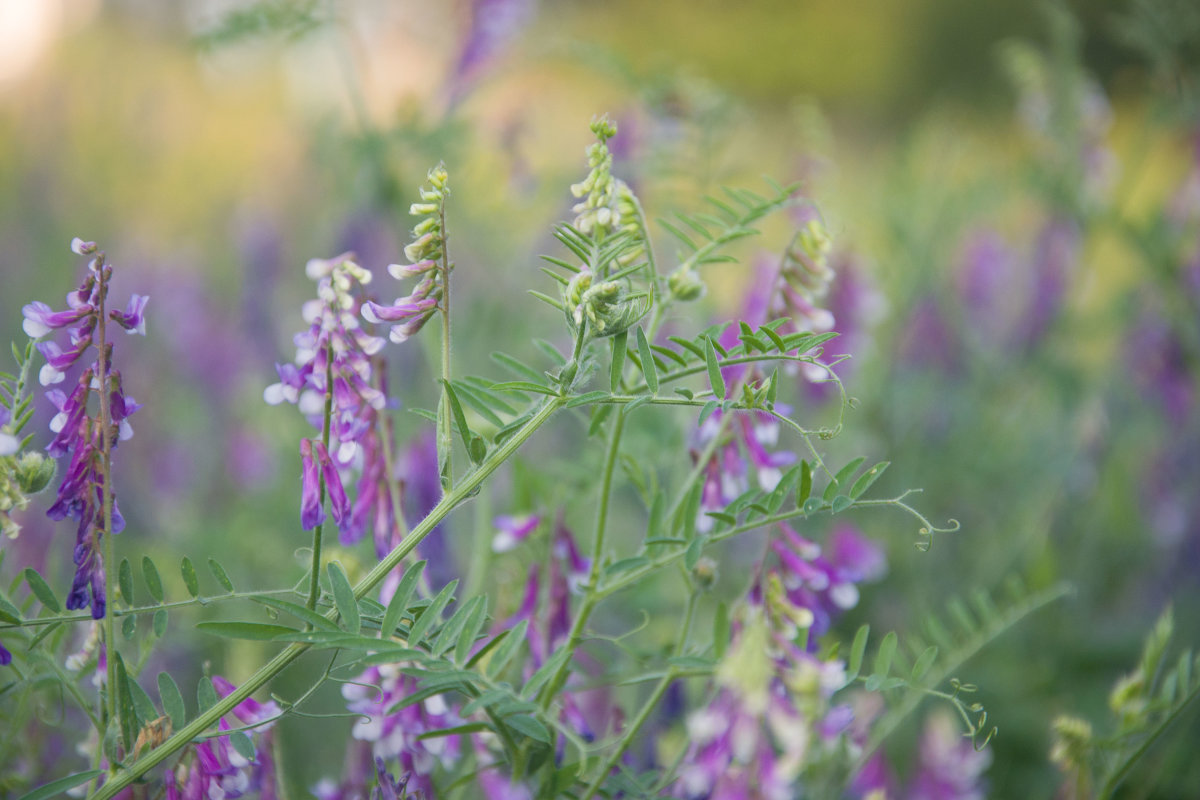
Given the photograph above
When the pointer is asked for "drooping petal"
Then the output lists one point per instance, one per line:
(339, 505)
(133, 318)
(312, 513)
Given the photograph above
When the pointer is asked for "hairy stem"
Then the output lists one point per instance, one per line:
(103, 368)
(314, 585)
(446, 435)
(590, 597)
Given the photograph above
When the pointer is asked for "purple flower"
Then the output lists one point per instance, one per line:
(950, 767)
(218, 770)
(5, 656)
(1055, 255)
(494, 25)
(928, 340)
(40, 319)
(81, 495)
(826, 585)
(312, 512)
(336, 347)
(512, 530)
(393, 737)
(132, 319)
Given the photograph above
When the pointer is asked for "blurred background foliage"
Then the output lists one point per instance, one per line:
(1007, 184)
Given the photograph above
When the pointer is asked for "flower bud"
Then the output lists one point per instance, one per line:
(705, 573)
(685, 285)
(34, 472)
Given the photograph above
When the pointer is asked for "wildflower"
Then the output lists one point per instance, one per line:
(334, 362)
(394, 737)
(218, 770)
(598, 209)
(512, 530)
(825, 580)
(743, 442)
(950, 768)
(89, 440)
(409, 314)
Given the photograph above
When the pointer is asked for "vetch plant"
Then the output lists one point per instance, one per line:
(522, 688)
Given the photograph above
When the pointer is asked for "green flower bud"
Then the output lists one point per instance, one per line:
(705, 573)
(34, 472)
(685, 284)
(1072, 742)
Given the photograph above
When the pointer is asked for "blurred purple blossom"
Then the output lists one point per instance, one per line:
(949, 766)
(494, 25)
(1056, 253)
(512, 530)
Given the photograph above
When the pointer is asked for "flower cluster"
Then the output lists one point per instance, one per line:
(334, 367)
(219, 770)
(85, 493)
(408, 314)
(742, 442)
(598, 209)
(773, 714)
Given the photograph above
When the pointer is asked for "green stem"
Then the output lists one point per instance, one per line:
(87, 617)
(651, 703)
(102, 379)
(471, 481)
(1120, 773)
(589, 600)
(314, 585)
(447, 435)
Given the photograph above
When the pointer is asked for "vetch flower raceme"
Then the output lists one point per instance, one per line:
(335, 363)
(85, 493)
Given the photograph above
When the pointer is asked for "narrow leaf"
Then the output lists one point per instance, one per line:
(153, 581)
(517, 367)
(470, 630)
(143, 706)
(125, 581)
(857, 650)
(887, 650)
(8, 612)
(298, 611)
(714, 371)
(432, 613)
(924, 662)
(41, 590)
(258, 631)
(189, 577)
(220, 574)
(448, 636)
(721, 630)
(160, 623)
(507, 649)
(647, 359)
(529, 727)
(399, 602)
(172, 700)
(206, 695)
(619, 343)
(343, 597)
(60, 786)
(867, 478)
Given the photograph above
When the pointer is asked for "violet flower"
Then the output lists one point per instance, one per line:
(218, 771)
(512, 530)
(77, 433)
(950, 767)
(393, 737)
(335, 362)
(827, 584)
